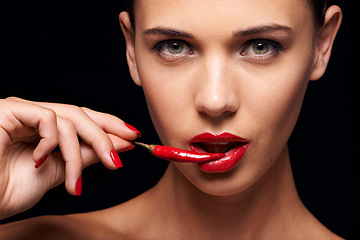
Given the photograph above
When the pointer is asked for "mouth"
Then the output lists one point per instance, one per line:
(217, 147)
(232, 146)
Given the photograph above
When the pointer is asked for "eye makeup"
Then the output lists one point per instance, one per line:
(173, 49)
(260, 50)
(258, 45)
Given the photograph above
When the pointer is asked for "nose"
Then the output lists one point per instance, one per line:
(216, 91)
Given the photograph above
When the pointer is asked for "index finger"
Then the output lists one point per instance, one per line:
(42, 120)
(114, 125)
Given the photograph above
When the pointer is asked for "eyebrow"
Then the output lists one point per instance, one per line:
(239, 33)
(168, 32)
(261, 29)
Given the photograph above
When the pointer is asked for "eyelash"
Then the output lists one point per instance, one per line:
(170, 56)
(275, 47)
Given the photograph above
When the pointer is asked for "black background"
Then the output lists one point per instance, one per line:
(73, 52)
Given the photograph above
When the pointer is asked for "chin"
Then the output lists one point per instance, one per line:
(234, 182)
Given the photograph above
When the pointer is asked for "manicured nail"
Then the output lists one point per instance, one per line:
(133, 129)
(41, 161)
(115, 158)
(78, 187)
(127, 149)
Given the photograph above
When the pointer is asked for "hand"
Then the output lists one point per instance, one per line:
(30, 131)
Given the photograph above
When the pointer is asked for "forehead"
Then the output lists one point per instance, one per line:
(224, 15)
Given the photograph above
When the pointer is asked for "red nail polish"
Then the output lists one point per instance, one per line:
(41, 161)
(78, 187)
(115, 158)
(127, 149)
(133, 129)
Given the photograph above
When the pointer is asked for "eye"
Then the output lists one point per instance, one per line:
(175, 47)
(173, 50)
(261, 49)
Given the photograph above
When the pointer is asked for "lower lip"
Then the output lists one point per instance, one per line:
(224, 164)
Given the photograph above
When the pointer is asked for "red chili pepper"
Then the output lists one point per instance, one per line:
(180, 155)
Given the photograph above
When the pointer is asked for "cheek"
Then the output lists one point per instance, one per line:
(273, 109)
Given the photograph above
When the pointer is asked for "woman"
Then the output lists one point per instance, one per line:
(222, 76)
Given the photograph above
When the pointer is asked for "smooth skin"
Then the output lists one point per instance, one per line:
(215, 82)
(31, 130)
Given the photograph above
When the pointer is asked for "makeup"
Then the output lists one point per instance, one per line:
(78, 187)
(133, 129)
(234, 147)
(41, 161)
(115, 158)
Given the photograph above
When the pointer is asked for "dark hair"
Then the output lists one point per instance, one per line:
(130, 10)
(318, 7)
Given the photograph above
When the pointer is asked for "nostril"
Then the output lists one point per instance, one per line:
(215, 104)
(216, 109)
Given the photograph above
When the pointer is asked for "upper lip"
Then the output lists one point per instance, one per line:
(224, 137)
(221, 142)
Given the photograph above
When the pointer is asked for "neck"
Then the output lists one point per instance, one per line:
(271, 203)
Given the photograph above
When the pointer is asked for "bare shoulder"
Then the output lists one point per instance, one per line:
(120, 222)
(327, 234)
(134, 219)
(312, 228)
(55, 227)
(37, 228)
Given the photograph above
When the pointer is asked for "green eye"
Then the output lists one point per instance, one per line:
(175, 47)
(260, 48)
(173, 50)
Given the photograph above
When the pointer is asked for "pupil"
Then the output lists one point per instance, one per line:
(175, 46)
(260, 46)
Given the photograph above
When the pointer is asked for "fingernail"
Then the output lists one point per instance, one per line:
(127, 149)
(133, 129)
(115, 158)
(41, 161)
(78, 187)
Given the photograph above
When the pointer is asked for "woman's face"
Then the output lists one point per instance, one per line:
(235, 66)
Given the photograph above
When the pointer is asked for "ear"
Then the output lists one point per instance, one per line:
(129, 34)
(325, 40)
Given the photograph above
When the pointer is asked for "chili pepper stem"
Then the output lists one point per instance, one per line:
(150, 147)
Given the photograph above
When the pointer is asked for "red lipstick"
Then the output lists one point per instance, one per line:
(234, 147)
(180, 155)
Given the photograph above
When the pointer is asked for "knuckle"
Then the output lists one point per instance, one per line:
(75, 109)
(86, 109)
(48, 114)
(67, 125)
(4, 102)
(12, 98)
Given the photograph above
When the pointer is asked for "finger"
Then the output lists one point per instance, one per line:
(70, 150)
(47, 128)
(42, 120)
(112, 124)
(90, 157)
(95, 136)
(89, 131)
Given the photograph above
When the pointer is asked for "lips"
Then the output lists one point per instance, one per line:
(234, 147)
